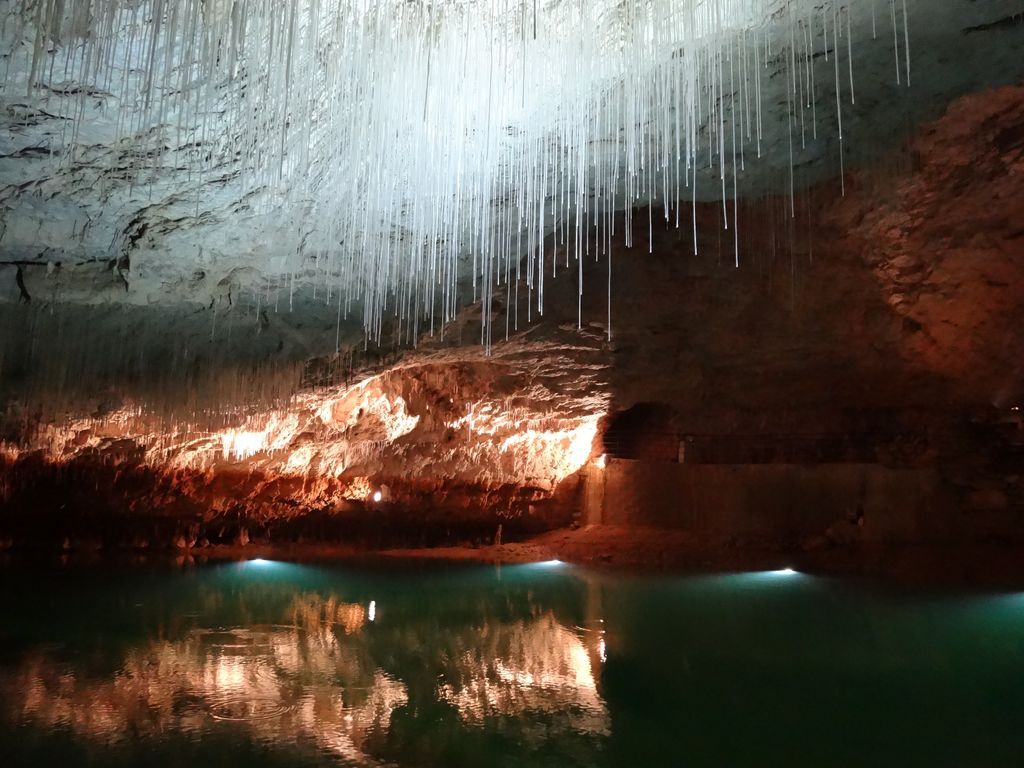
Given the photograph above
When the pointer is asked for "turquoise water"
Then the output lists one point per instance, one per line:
(275, 664)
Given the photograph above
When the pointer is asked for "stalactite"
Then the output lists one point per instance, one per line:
(433, 146)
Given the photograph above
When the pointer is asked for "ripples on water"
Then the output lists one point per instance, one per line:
(478, 666)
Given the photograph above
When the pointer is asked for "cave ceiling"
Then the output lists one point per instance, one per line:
(320, 167)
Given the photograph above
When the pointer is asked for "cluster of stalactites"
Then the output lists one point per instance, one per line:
(419, 154)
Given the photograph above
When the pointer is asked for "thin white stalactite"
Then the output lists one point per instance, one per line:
(404, 154)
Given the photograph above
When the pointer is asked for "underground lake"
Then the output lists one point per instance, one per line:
(408, 663)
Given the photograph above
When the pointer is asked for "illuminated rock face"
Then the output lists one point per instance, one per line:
(446, 437)
(945, 246)
(168, 347)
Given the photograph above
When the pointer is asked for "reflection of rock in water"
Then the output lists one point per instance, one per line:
(283, 684)
(533, 667)
(316, 682)
(323, 614)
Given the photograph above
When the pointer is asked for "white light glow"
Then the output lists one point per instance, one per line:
(377, 496)
(371, 612)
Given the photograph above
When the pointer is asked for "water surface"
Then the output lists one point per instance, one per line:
(277, 664)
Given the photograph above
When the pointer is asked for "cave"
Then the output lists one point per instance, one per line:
(464, 382)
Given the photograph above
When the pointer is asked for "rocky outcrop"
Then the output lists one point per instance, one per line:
(945, 243)
(443, 440)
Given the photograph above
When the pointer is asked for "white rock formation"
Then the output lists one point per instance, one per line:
(409, 156)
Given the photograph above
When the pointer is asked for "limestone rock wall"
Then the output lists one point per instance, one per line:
(890, 316)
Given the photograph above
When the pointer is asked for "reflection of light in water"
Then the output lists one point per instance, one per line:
(323, 615)
(524, 667)
(314, 681)
(262, 568)
(279, 682)
(754, 578)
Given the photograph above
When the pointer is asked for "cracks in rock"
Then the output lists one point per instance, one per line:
(1010, 141)
(75, 90)
(1007, 22)
(25, 116)
(148, 224)
(28, 152)
(19, 278)
(120, 268)
(19, 275)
